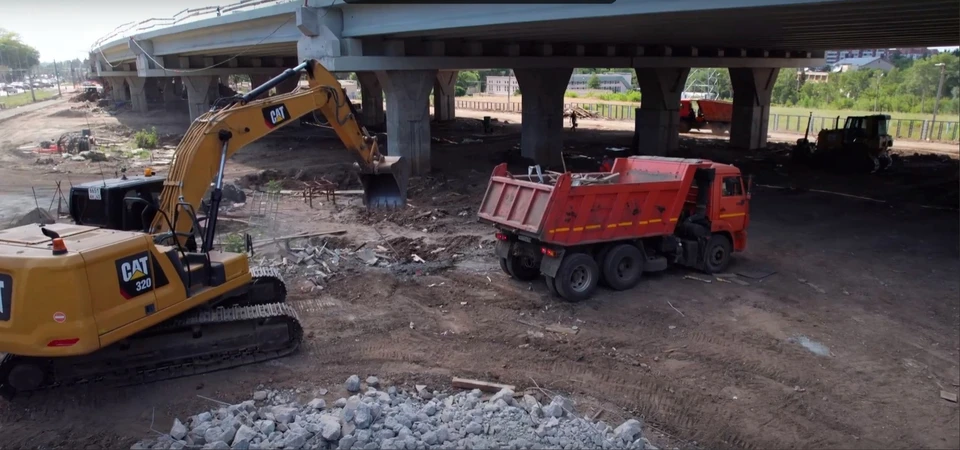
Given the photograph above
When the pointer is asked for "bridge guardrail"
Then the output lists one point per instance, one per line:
(187, 15)
(910, 129)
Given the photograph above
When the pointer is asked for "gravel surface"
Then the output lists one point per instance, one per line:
(392, 419)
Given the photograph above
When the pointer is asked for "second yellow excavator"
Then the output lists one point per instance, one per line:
(121, 297)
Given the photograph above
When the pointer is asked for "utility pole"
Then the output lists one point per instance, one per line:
(876, 101)
(936, 102)
(56, 74)
(509, 87)
(30, 81)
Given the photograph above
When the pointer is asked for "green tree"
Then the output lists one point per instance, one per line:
(786, 90)
(16, 56)
(465, 80)
(593, 82)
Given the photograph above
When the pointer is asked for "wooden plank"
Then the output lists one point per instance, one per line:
(485, 386)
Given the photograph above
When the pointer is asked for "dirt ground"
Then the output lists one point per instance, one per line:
(869, 284)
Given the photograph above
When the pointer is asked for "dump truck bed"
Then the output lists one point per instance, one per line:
(642, 196)
(716, 110)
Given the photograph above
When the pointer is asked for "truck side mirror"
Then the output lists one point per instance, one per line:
(749, 185)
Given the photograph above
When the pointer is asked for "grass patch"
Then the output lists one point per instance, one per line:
(147, 139)
(24, 98)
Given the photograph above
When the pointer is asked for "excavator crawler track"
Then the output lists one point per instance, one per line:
(199, 341)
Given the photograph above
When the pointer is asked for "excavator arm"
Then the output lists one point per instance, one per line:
(218, 134)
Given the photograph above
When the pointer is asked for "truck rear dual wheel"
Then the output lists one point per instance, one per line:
(577, 278)
(622, 266)
(521, 267)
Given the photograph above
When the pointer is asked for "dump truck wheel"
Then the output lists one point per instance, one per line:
(503, 266)
(522, 268)
(577, 277)
(622, 267)
(718, 252)
(551, 285)
(684, 126)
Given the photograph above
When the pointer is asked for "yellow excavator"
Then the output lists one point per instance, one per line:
(121, 298)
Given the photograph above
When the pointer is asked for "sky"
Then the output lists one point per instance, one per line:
(65, 29)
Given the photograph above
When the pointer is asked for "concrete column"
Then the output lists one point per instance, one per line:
(658, 118)
(169, 86)
(258, 79)
(214, 89)
(751, 106)
(119, 89)
(541, 135)
(198, 94)
(408, 115)
(288, 85)
(371, 101)
(444, 96)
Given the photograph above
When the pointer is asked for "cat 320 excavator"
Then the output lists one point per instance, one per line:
(120, 306)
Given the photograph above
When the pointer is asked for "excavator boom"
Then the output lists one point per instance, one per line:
(235, 122)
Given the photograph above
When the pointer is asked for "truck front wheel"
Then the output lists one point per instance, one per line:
(622, 267)
(717, 255)
(577, 277)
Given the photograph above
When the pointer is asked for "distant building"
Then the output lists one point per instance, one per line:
(832, 56)
(353, 90)
(811, 76)
(866, 62)
(915, 52)
(612, 82)
(502, 85)
(618, 82)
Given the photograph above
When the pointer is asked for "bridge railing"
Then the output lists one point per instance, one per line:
(187, 15)
(911, 129)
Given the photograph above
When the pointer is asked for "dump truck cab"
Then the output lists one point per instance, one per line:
(644, 214)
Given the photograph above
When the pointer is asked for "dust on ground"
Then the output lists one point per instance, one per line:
(847, 345)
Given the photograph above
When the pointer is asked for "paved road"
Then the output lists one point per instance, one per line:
(13, 112)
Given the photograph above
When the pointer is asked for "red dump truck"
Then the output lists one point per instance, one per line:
(715, 115)
(580, 229)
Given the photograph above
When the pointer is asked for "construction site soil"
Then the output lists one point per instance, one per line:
(845, 336)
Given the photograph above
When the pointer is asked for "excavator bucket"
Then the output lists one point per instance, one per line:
(385, 185)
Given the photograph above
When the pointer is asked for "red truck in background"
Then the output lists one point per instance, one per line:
(715, 115)
(580, 229)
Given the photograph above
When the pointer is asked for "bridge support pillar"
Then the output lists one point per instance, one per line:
(288, 85)
(408, 115)
(444, 96)
(198, 94)
(656, 130)
(541, 120)
(118, 89)
(170, 95)
(371, 101)
(256, 79)
(751, 106)
(138, 93)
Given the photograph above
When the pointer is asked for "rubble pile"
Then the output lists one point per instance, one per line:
(570, 110)
(396, 419)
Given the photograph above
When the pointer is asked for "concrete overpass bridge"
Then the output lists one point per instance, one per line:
(405, 51)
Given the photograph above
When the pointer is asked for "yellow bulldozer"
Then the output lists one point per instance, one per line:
(862, 145)
(122, 297)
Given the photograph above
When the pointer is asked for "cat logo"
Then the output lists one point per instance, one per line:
(134, 270)
(134, 274)
(274, 116)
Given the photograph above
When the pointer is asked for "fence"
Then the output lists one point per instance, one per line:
(916, 129)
